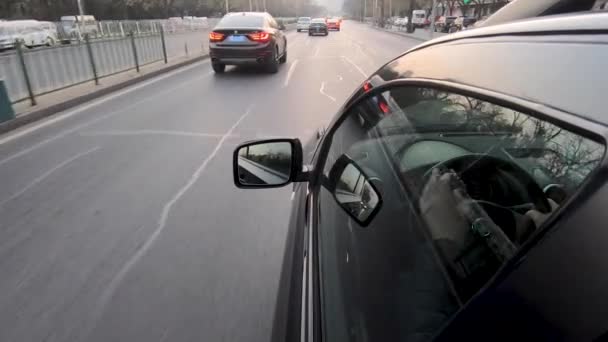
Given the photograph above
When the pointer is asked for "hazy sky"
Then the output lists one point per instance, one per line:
(332, 5)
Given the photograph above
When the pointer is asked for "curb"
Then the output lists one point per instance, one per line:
(59, 107)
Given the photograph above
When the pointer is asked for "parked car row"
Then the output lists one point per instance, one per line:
(30, 33)
(442, 24)
(453, 24)
(34, 33)
(75, 26)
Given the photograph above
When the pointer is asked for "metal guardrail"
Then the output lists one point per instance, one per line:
(30, 73)
(121, 28)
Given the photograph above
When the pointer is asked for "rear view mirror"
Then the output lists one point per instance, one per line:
(267, 163)
(354, 191)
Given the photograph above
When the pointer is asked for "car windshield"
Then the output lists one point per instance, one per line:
(304, 20)
(231, 21)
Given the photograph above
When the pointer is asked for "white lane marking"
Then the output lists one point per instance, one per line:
(292, 68)
(355, 65)
(293, 195)
(340, 78)
(162, 221)
(47, 174)
(324, 93)
(317, 52)
(150, 132)
(310, 58)
(94, 103)
(86, 124)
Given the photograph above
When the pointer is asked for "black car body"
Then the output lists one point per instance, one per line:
(525, 133)
(247, 38)
(318, 27)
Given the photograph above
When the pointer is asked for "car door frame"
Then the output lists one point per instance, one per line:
(311, 323)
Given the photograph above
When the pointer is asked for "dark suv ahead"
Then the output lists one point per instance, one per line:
(453, 199)
(247, 38)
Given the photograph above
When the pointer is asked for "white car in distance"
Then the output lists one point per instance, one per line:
(303, 24)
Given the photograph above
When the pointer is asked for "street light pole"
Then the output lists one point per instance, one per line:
(250, 6)
(80, 19)
(375, 12)
(433, 15)
(80, 8)
(227, 6)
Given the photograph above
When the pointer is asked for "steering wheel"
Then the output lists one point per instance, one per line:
(515, 225)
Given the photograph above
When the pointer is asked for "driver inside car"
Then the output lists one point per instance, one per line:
(462, 231)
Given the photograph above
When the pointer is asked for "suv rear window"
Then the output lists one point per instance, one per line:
(241, 21)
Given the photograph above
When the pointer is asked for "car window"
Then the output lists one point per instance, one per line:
(458, 184)
(241, 21)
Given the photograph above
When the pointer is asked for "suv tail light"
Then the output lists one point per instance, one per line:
(260, 37)
(216, 36)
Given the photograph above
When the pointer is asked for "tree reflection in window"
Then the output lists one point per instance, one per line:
(543, 148)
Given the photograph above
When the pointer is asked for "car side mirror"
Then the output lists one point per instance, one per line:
(354, 191)
(268, 163)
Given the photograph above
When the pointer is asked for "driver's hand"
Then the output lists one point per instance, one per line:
(449, 213)
(540, 218)
(443, 208)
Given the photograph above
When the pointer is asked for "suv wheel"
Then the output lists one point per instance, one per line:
(219, 68)
(273, 65)
(283, 59)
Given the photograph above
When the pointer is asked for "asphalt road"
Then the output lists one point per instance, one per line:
(119, 220)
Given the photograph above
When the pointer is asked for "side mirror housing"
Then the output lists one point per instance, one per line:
(268, 163)
(354, 191)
